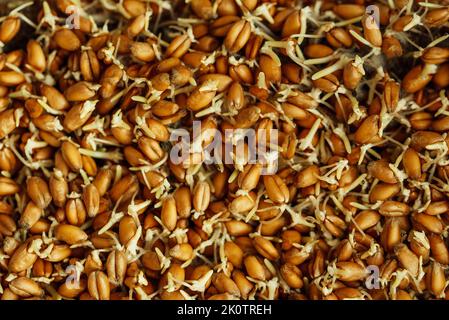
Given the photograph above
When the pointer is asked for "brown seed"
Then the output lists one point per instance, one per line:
(9, 29)
(422, 139)
(136, 26)
(292, 24)
(440, 124)
(381, 170)
(436, 279)
(243, 284)
(249, 177)
(350, 271)
(237, 36)
(71, 156)
(183, 201)
(308, 176)
(366, 219)
(227, 7)
(38, 191)
(55, 99)
(179, 75)
(270, 68)
(182, 252)
(435, 55)
(407, 259)
(367, 130)
(42, 268)
(280, 18)
(247, 117)
(80, 91)
(383, 191)
(142, 51)
(30, 215)
(276, 189)
(103, 180)
(315, 51)
(292, 72)
(348, 293)
(176, 272)
(66, 39)
(98, 286)
(151, 261)
(202, 8)
(338, 37)
(391, 208)
(292, 276)
(77, 117)
(412, 163)
(11, 78)
(35, 55)
(221, 81)
(436, 208)
(391, 47)
(7, 123)
(371, 31)
(349, 11)
(265, 248)
(430, 223)
(221, 26)
(72, 290)
(178, 46)
(26, 287)
(436, 17)
(238, 228)
(7, 225)
(168, 213)
(391, 95)
(134, 7)
(164, 108)
(156, 130)
(59, 189)
(70, 234)
(327, 83)
(21, 259)
(116, 266)
(75, 212)
(415, 79)
(91, 199)
(224, 284)
(89, 65)
(241, 73)
(201, 196)
(335, 225)
(391, 235)
(439, 249)
(421, 120)
(233, 253)
(109, 80)
(441, 77)
(127, 229)
(89, 165)
(59, 253)
(254, 268)
(8, 186)
(201, 97)
(352, 75)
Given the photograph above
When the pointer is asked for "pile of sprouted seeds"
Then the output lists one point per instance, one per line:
(347, 199)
